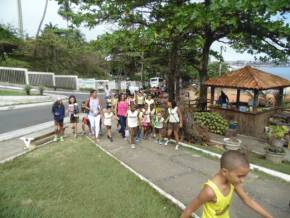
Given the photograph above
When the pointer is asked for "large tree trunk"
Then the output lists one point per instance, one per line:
(172, 70)
(203, 76)
(203, 71)
(177, 82)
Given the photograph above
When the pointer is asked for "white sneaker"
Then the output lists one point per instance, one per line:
(55, 139)
(177, 147)
(160, 142)
(133, 146)
(166, 142)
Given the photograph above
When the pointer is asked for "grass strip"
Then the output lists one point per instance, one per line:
(76, 179)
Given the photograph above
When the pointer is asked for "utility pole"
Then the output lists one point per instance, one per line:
(221, 55)
(20, 21)
(142, 68)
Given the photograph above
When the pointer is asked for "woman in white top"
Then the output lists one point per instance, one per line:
(150, 102)
(107, 120)
(174, 122)
(133, 123)
(94, 107)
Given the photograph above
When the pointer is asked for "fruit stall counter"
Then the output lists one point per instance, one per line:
(250, 123)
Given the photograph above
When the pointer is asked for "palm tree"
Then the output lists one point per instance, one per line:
(51, 26)
(20, 21)
(42, 19)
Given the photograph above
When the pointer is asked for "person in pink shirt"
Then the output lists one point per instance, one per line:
(121, 111)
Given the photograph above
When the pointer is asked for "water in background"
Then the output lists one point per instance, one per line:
(279, 71)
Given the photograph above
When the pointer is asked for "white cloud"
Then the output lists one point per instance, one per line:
(230, 54)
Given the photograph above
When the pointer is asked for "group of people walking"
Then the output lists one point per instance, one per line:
(137, 117)
(141, 116)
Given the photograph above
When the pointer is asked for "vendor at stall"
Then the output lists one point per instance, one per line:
(223, 99)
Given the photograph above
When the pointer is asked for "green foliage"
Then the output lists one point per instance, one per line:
(212, 120)
(277, 131)
(14, 62)
(11, 93)
(184, 31)
(41, 89)
(213, 70)
(9, 41)
(8, 33)
(63, 51)
(27, 89)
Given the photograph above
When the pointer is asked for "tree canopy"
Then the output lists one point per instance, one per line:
(63, 51)
(187, 29)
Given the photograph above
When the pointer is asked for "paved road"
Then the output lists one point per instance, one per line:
(21, 118)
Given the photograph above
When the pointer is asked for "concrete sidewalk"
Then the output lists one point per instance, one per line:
(15, 146)
(182, 174)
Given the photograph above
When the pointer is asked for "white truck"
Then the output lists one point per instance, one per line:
(156, 82)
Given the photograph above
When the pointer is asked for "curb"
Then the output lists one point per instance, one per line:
(25, 131)
(25, 152)
(20, 106)
(67, 92)
(34, 104)
(28, 130)
(270, 172)
(155, 187)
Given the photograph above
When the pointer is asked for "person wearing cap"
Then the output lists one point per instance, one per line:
(58, 112)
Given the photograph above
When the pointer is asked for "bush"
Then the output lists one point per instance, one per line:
(41, 89)
(277, 132)
(192, 132)
(27, 89)
(213, 121)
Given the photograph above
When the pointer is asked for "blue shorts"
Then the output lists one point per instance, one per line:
(58, 121)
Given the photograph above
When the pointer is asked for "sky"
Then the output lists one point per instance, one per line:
(32, 12)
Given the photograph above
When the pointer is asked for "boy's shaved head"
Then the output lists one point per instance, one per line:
(233, 159)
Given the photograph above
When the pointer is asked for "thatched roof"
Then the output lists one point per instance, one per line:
(248, 78)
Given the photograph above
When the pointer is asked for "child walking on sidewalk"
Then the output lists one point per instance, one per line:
(58, 112)
(73, 113)
(85, 120)
(175, 122)
(146, 122)
(108, 116)
(158, 123)
(216, 194)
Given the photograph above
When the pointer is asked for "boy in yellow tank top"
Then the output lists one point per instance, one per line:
(216, 194)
